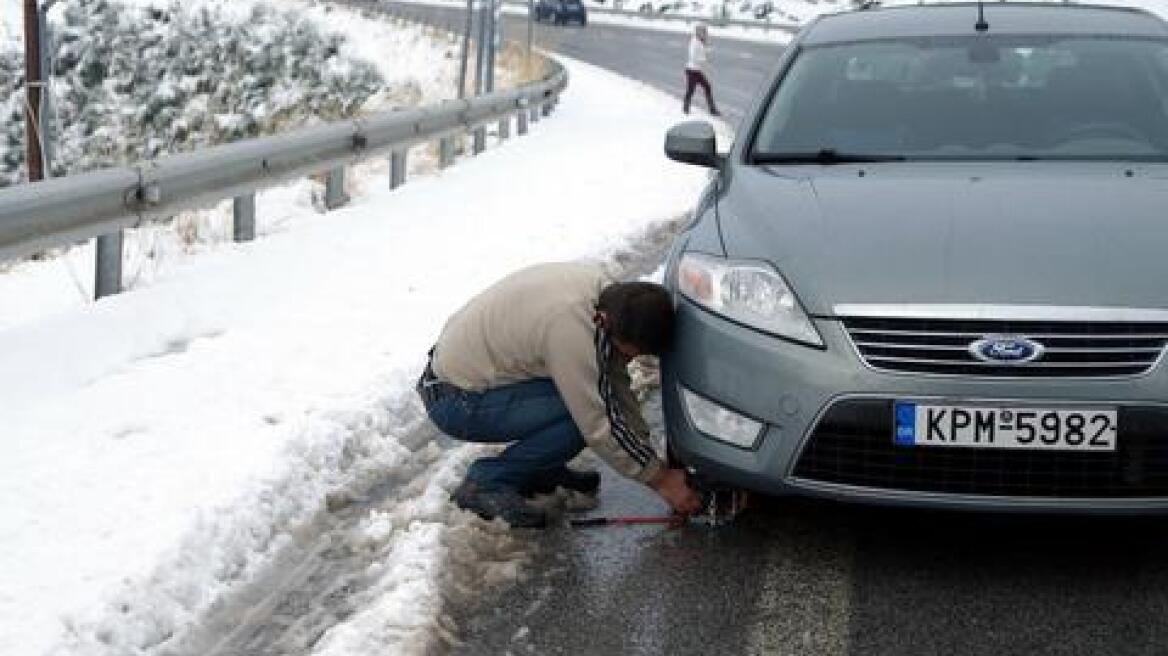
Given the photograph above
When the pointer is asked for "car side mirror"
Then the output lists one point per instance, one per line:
(693, 142)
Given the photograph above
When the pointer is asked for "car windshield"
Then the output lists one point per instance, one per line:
(971, 98)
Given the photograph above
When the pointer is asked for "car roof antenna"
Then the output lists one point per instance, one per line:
(981, 25)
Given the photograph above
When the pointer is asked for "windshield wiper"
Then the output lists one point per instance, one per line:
(822, 156)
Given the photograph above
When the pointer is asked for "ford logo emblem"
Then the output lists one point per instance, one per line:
(1006, 349)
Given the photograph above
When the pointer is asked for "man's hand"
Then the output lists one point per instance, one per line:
(673, 487)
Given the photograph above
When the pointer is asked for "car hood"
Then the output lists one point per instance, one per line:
(1029, 234)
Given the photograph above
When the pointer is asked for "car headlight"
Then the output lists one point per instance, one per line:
(750, 293)
(720, 422)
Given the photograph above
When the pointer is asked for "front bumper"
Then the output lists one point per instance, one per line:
(802, 393)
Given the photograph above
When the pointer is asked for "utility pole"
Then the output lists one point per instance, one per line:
(494, 9)
(481, 51)
(465, 49)
(530, 28)
(34, 90)
(46, 124)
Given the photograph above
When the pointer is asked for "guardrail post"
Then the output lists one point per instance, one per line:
(480, 139)
(521, 122)
(243, 218)
(505, 127)
(334, 188)
(397, 168)
(108, 278)
(445, 151)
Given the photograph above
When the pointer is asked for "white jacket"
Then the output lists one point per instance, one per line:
(699, 53)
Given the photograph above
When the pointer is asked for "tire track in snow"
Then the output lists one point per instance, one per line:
(401, 535)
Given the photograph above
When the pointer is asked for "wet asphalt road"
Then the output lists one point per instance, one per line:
(804, 577)
(738, 69)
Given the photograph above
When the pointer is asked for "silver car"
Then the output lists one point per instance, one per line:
(933, 267)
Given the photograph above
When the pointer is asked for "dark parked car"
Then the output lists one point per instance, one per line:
(561, 12)
(931, 269)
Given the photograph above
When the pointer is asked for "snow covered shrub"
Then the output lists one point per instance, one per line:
(133, 82)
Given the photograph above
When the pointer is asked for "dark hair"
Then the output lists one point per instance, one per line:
(640, 313)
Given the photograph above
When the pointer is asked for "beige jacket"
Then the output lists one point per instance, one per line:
(538, 323)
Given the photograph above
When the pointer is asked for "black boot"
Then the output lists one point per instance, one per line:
(546, 482)
(499, 502)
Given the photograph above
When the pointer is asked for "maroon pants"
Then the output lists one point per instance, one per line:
(694, 79)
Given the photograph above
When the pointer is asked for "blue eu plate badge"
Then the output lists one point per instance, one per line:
(906, 424)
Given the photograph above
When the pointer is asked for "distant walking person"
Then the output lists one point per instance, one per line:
(695, 68)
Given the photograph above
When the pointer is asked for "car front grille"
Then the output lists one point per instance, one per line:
(1071, 348)
(853, 445)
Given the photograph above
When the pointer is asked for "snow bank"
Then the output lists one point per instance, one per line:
(163, 444)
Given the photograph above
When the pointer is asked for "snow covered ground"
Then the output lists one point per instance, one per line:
(162, 445)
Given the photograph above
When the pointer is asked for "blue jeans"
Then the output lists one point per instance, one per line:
(531, 415)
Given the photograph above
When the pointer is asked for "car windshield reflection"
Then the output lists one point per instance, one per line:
(973, 98)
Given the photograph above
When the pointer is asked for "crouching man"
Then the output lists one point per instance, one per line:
(538, 360)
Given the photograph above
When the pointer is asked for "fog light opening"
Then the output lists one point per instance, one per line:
(720, 422)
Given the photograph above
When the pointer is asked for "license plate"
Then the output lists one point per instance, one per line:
(1006, 427)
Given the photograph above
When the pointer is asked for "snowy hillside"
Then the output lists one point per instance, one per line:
(151, 77)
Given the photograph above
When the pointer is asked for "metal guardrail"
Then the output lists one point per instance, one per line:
(64, 210)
